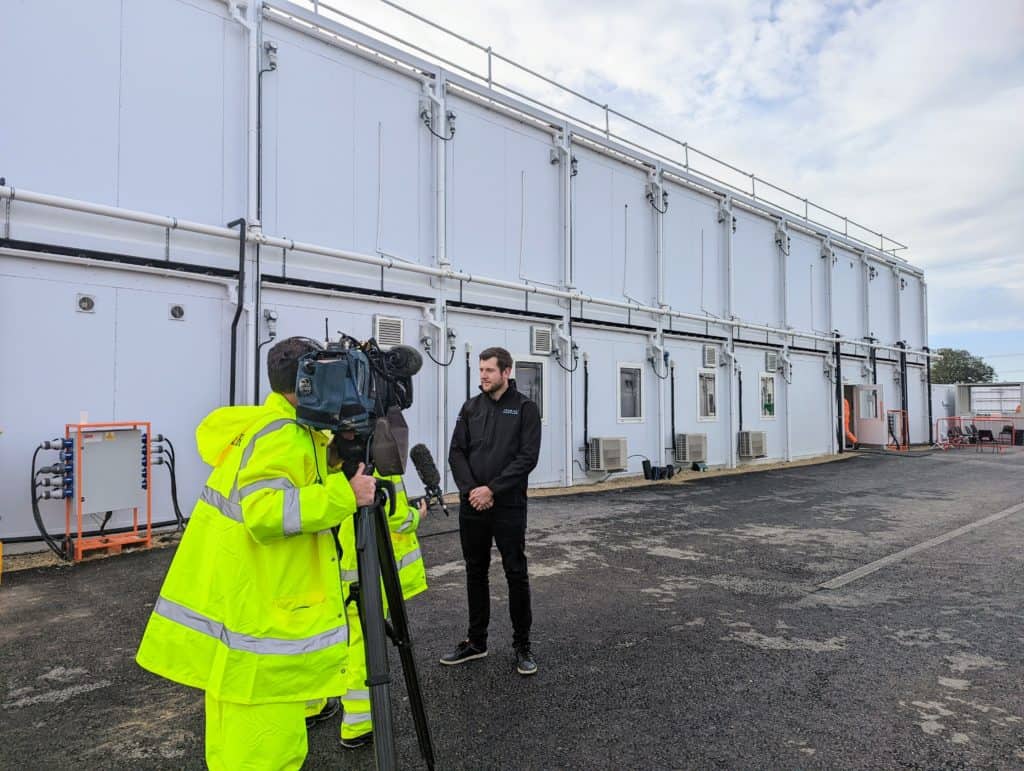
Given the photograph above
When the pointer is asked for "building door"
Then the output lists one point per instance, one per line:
(869, 414)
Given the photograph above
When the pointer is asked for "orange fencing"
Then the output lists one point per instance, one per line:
(976, 431)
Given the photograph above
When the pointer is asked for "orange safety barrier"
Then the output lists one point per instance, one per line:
(113, 543)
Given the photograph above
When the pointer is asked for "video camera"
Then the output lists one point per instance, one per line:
(348, 385)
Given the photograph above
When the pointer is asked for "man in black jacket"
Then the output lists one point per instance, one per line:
(493, 450)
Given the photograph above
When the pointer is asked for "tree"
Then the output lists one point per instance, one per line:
(959, 366)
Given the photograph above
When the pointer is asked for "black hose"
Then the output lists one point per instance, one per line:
(241, 224)
(59, 551)
(586, 413)
(739, 387)
(173, 470)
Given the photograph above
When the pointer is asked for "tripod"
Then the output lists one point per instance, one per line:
(376, 562)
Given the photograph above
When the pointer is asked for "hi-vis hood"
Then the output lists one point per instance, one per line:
(224, 426)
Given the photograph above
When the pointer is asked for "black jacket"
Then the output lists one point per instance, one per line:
(496, 443)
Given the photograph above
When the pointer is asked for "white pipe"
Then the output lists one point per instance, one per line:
(410, 267)
(565, 149)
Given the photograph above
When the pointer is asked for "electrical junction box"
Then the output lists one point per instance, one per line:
(109, 475)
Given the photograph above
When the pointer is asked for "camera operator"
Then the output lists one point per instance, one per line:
(349, 450)
(251, 610)
(494, 448)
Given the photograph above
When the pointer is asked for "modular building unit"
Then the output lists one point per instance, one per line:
(374, 191)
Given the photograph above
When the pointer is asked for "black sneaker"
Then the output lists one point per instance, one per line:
(330, 710)
(464, 651)
(357, 741)
(525, 665)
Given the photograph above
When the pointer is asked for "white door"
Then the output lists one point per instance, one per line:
(869, 414)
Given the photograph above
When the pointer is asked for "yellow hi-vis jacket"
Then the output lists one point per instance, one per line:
(406, 546)
(251, 609)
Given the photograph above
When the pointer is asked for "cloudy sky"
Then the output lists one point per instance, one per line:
(905, 115)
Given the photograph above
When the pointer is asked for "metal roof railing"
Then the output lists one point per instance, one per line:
(692, 159)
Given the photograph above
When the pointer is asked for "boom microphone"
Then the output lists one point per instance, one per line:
(428, 474)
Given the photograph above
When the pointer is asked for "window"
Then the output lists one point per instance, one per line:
(868, 404)
(631, 392)
(529, 377)
(706, 387)
(767, 396)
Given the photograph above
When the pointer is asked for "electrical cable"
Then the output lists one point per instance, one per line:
(660, 377)
(558, 361)
(59, 551)
(650, 200)
(430, 356)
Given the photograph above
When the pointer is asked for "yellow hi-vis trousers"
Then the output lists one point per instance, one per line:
(356, 702)
(255, 737)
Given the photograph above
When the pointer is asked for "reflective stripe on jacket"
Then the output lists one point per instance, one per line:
(251, 609)
(404, 542)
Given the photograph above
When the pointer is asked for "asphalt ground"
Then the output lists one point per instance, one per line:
(676, 626)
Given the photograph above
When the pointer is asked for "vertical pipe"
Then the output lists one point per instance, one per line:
(904, 393)
(672, 401)
(586, 411)
(567, 278)
(441, 172)
(840, 433)
(739, 387)
(240, 301)
(928, 395)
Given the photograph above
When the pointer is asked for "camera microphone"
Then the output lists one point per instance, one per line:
(428, 474)
(404, 361)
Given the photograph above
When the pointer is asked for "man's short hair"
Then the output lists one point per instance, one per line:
(283, 362)
(504, 357)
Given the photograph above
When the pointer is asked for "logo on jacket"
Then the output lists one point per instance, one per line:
(508, 411)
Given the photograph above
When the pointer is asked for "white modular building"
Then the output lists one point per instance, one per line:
(662, 306)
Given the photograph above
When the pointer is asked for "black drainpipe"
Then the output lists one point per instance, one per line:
(904, 394)
(672, 394)
(586, 413)
(739, 378)
(839, 394)
(242, 227)
(928, 396)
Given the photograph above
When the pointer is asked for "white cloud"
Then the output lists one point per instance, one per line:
(906, 115)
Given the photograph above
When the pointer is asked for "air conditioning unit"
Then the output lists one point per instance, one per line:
(607, 453)
(541, 342)
(388, 331)
(771, 361)
(691, 448)
(710, 356)
(753, 444)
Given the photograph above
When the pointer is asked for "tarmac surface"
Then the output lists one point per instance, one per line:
(675, 626)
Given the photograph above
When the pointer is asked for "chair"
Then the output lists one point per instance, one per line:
(1008, 433)
(985, 437)
(972, 434)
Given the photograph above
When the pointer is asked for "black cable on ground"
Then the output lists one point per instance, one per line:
(898, 454)
(59, 551)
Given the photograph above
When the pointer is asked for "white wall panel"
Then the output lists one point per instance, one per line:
(917, 409)
(687, 355)
(694, 270)
(848, 294)
(882, 299)
(607, 349)
(811, 394)
(126, 360)
(504, 204)
(172, 132)
(752, 361)
(911, 317)
(806, 299)
(514, 335)
(757, 265)
(64, 138)
(614, 235)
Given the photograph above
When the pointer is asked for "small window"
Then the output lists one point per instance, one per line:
(631, 392)
(869, 404)
(706, 388)
(767, 396)
(529, 377)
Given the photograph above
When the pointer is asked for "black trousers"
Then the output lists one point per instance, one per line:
(504, 526)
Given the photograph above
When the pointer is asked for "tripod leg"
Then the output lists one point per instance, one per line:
(371, 612)
(402, 639)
